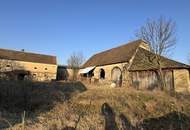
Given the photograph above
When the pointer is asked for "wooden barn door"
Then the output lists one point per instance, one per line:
(169, 79)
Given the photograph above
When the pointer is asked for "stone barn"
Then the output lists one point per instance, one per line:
(134, 65)
(20, 65)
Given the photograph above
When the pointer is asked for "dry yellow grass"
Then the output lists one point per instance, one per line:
(135, 105)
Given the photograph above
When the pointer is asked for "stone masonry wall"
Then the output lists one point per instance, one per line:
(39, 71)
(108, 70)
(181, 80)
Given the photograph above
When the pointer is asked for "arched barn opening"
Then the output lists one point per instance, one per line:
(116, 76)
(102, 74)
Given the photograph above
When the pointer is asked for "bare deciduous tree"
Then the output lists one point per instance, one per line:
(161, 37)
(75, 61)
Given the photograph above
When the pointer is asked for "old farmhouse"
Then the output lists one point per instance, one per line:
(134, 64)
(22, 65)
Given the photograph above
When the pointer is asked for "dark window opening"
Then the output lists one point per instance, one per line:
(8, 66)
(45, 68)
(35, 68)
(102, 74)
(21, 76)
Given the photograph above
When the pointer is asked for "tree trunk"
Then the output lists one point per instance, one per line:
(161, 75)
(162, 79)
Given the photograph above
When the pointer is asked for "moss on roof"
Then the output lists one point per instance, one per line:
(145, 60)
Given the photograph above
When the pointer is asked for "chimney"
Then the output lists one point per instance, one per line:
(144, 45)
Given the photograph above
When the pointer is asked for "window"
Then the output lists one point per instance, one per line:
(35, 68)
(8, 66)
(45, 68)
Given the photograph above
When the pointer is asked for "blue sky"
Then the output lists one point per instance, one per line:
(60, 27)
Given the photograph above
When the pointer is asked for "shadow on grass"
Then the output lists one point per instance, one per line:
(109, 116)
(170, 121)
(33, 97)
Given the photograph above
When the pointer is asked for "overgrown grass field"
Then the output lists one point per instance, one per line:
(60, 105)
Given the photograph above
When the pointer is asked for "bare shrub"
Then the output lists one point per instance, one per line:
(75, 61)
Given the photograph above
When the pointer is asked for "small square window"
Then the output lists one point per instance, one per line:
(35, 68)
(45, 68)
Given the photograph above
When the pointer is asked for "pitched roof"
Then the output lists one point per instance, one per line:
(142, 59)
(115, 55)
(145, 60)
(26, 56)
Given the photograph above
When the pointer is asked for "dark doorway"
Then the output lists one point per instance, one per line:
(102, 74)
(62, 73)
(21, 76)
